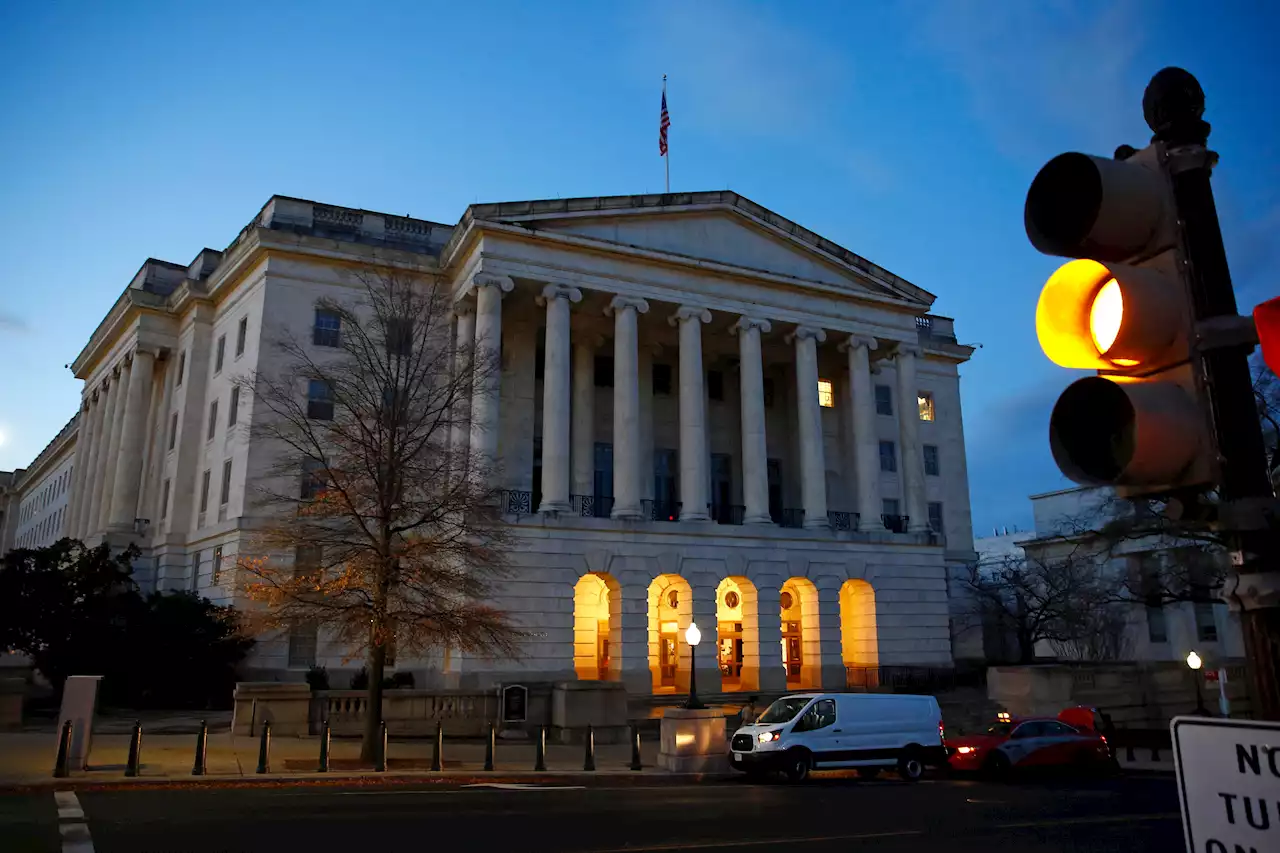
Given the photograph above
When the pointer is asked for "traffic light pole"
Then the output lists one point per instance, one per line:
(1173, 105)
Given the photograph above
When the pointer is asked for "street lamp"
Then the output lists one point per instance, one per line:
(1194, 662)
(693, 636)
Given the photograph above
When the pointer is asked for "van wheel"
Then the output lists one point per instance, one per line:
(910, 767)
(799, 763)
(868, 772)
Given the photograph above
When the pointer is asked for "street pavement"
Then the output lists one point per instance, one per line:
(604, 816)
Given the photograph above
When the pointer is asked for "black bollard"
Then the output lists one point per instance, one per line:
(264, 748)
(202, 748)
(436, 757)
(64, 751)
(1155, 753)
(1128, 753)
(324, 747)
(135, 751)
(540, 756)
(589, 760)
(489, 749)
(635, 748)
(381, 764)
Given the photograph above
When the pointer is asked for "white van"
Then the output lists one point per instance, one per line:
(817, 731)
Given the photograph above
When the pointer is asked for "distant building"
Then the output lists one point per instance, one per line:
(39, 495)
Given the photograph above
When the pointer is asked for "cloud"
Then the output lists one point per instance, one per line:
(13, 323)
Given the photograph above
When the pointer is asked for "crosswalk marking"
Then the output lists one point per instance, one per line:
(71, 826)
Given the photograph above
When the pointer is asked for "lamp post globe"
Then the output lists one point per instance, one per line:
(1194, 660)
(693, 636)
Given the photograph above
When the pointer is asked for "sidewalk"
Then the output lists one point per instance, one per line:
(27, 759)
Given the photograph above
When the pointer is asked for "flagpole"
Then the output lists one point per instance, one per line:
(667, 157)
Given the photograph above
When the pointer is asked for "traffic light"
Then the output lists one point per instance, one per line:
(1120, 308)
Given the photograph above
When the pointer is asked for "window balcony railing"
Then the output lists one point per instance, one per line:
(661, 510)
(895, 523)
(841, 520)
(792, 518)
(517, 502)
(727, 513)
(591, 506)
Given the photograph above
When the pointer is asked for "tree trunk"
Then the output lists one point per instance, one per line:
(375, 665)
(1026, 648)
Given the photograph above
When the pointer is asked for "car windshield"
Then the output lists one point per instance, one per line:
(783, 710)
(1001, 729)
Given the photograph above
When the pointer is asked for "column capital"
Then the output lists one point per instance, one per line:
(464, 306)
(909, 351)
(503, 283)
(856, 341)
(805, 332)
(686, 313)
(746, 323)
(622, 303)
(558, 291)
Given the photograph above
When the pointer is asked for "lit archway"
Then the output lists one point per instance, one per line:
(801, 642)
(859, 643)
(670, 611)
(738, 630)
(597, 627)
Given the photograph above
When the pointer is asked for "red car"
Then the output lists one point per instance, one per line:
(1069, 740)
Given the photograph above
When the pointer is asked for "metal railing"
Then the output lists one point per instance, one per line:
(895, 523)
(661, 510)
(591, 506)
(841, 520)
(792, 518)
(727, 513)
(517, 502)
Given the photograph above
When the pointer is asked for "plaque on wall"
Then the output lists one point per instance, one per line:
(515, 703)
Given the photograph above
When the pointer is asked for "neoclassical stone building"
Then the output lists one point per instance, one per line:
(706, 413)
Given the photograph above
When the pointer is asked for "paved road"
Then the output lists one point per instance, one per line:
(1134, 814)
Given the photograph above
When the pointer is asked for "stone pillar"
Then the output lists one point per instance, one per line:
(555, 398)
(464, 312)
(626, 405)
(119, 394)
(694, 478)
(153, 507)
(707, 656)
(831, 646)
(149, 432)
(913, 496)
(584, 415)
(813, 468)
(773, 678)
(485, 402)
(93, 472)
(866, 446)
(84, 439)
(644, 377)
(755, 472)
(128, 477)
(636, 674)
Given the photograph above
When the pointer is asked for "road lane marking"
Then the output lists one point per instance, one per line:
(68, 805)
(75, 835)
(1069, 821)
(525, 786)
(760, 842)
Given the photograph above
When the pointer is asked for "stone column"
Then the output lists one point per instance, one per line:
(555, 398)
(773, 678)
(909, 438)
(694, 478)
(645, 380)
(485, 402)
(149, 432)
(160, 455)
(464, 312)
(636, 674)
(119, 393)
(84, 438)
(584, 415)
(755, 472)
(626, 405)
(866, 446)
(128, 476)
(831, 647)
(813, 468)
(707, 656)
(92, 471)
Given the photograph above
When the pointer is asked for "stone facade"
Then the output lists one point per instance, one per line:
(38, 497)
(705, 413)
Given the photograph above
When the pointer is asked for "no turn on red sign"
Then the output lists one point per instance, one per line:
(1228, 784)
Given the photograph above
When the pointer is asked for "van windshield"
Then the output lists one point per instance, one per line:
(783, 710)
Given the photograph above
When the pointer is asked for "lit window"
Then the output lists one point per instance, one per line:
(925, 401)
(826, 394)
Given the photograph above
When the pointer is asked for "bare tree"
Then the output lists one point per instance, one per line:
(378, 530)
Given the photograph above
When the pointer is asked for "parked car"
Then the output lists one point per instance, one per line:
(818, 731)
(1070, 740)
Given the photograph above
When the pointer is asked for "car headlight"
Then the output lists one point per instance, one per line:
(964, 750)
(766, 737)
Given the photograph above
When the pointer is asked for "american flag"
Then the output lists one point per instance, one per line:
(663, 123)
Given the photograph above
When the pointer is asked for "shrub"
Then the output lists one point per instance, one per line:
(318, 678)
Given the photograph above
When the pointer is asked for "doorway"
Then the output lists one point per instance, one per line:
(668, 654)
(791, 651)
(731, 657)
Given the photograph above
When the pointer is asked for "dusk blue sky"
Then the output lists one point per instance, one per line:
(905, 132)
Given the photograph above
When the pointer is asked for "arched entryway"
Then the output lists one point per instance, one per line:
(670, 611)
(859, 643)
(597, 627)
(738, 630)
(801, 643)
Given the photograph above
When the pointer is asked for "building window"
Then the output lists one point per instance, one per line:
(768, 392)
(924, 400)
(319, 400)
(662, 379)
(226, 483)
(400, 337)
(715, 385)
(1206, 625)
(826, 394)
(173, 430)
(313, 482)
(931, 460)
(935, 516)
(222, 351)
(213, 419)
(182, 367)
(217, 564)
(884, 400)
(242, 332)
(327, 331)
(195, 570)
(234, 409)
(888, 457)
(1157, 630)
(204, 490)
(604, 371)
(164, 501)
(302, 644)
(890, 506)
